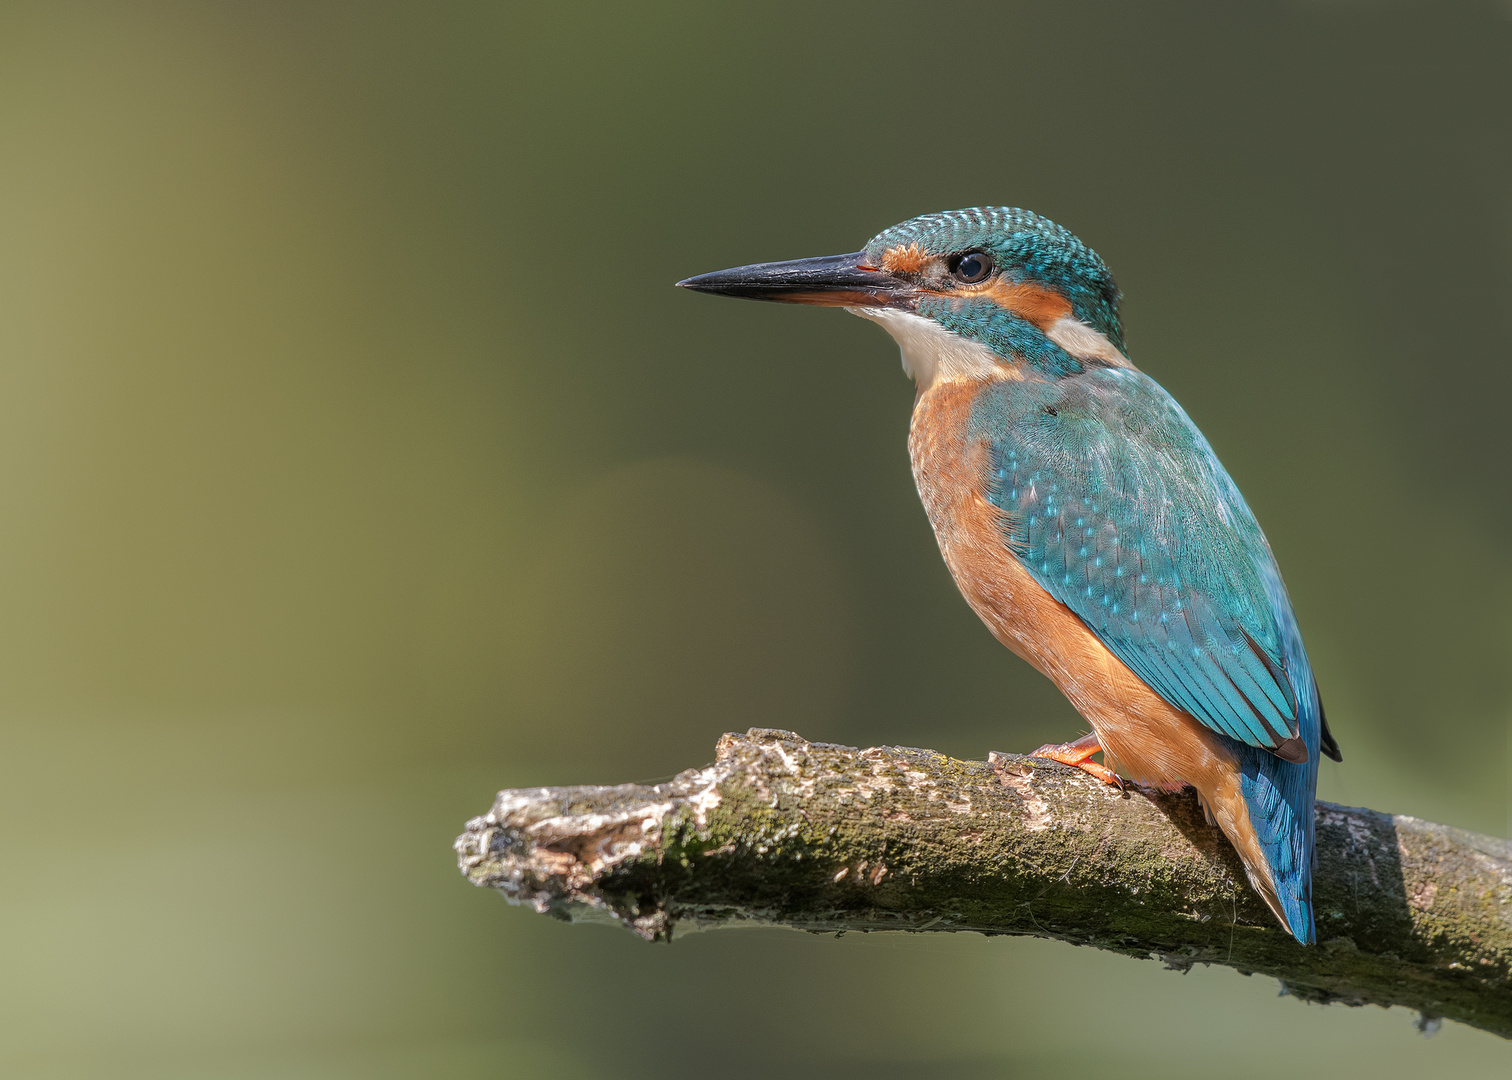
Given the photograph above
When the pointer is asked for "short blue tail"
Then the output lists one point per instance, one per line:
(1280, 796)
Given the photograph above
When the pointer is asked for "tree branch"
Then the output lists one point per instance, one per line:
(830, 838)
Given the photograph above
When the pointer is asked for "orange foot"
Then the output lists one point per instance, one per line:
(1076, 754)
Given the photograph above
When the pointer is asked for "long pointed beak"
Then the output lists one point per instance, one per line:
(831, 280)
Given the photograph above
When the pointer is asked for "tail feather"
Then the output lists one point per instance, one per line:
(1279, 797)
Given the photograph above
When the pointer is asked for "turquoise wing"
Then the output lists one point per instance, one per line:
(1117, 505)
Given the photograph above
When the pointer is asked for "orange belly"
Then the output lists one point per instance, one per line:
(1143, 736)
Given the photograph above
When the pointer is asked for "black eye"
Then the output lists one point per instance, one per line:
(972, 267)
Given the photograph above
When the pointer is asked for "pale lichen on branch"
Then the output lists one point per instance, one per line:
(822, 837)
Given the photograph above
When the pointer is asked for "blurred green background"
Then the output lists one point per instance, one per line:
(357, 458)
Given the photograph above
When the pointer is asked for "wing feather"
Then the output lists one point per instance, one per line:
(1116, 504)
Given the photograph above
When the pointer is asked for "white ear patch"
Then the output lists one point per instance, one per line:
(1084, 343)
(932, 353)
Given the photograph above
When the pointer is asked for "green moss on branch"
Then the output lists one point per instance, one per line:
(827, 838)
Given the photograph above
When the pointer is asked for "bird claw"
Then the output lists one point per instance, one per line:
(1077, 755)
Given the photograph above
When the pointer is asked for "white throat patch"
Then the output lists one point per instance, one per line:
(932, 353)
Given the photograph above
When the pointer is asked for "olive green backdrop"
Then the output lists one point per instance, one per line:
(358, 458)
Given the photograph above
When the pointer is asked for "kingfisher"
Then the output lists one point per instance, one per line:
(1088, 522)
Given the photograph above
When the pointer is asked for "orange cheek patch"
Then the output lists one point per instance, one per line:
(911, 259)
(1037, 305)
(1033, 303)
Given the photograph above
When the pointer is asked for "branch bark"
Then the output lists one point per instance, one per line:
(830, 838)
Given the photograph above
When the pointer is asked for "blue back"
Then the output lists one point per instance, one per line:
(1117, 506)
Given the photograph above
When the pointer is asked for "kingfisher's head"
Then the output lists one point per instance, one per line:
(982, 293)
